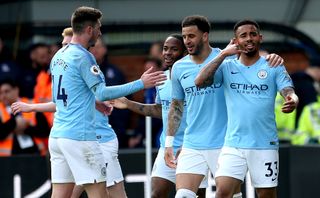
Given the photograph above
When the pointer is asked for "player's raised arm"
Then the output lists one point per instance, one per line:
(148, 79)
(174, 120)
(205, 77)
(291, 100)
(153, 110)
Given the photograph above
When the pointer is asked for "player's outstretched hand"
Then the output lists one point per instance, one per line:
(104, 107)
(120, 103)
(152, 79)
(274, 60)
(169, 158)
(18, 107)
(290, 104)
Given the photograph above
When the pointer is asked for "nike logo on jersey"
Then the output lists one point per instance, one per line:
(234, 72)
(185, 76)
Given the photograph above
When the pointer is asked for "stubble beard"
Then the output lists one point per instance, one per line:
(198, 49)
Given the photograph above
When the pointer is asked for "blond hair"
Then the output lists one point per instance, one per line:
(67, 32)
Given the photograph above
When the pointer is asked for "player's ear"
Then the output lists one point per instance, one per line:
(205, 36)
(235, 40)
(89, 29)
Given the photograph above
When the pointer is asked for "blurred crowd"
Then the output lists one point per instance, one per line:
(28, 79)
(303, 125)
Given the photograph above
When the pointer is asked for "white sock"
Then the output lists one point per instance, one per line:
(185, 193)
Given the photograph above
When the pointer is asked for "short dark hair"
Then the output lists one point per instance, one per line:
(84, 16)
(180, 38)
(201, 22)
(246, 22)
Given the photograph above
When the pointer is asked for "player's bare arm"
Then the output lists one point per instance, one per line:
(291, 100)
(205, 77)
(153, 110)
(18, 107)
(175, 116)
(174, 120)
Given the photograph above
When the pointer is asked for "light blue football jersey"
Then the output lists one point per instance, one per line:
(104, 131)
(206, 108)
(163, 97)
(74, 71)
(250, 96)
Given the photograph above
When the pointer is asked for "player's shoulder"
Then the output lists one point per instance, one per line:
(183, 60)
(179, 64)
(75, 50)
(263, 63)
(215, 51)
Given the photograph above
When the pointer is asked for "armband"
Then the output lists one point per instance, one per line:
(294, 97)
(169, 141)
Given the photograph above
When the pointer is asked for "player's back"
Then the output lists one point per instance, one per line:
(74, 71)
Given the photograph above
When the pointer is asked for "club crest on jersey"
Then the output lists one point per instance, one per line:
(95, 70)
(262, 74)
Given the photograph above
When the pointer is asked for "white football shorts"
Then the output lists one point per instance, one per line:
(110, 154)
(198, 162)
(73, 161)
(263, 165)
(160, 169)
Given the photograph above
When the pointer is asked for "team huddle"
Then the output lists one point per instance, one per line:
(216, 105)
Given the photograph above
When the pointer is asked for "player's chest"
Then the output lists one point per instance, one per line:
(249, 75)
(188, 77)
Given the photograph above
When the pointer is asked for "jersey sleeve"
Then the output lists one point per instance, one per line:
(283, 79)
(90, 71)
(177, 89)
(103, 92)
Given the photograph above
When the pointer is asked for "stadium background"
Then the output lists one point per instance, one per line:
(131, 26)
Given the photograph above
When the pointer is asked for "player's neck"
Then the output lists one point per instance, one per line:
(249, 60)
(76, 39)
(200, 58)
